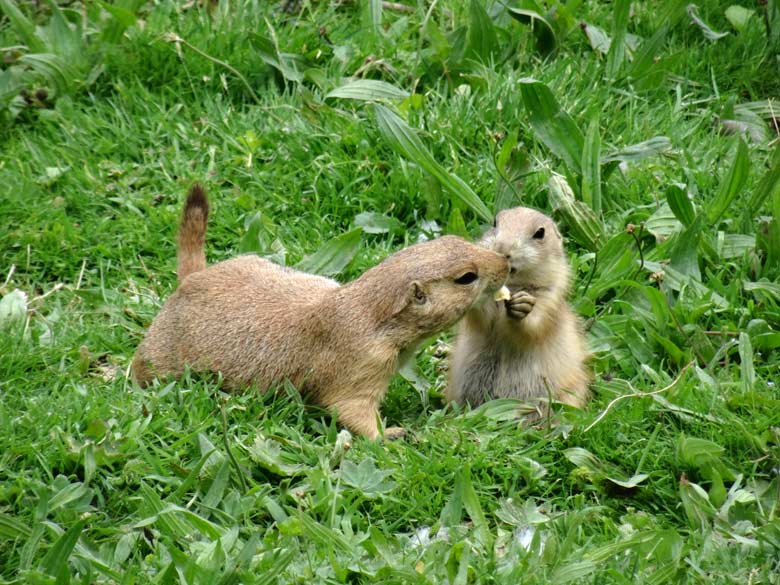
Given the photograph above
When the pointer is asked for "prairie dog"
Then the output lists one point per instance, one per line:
(257, 322)
(530, 345)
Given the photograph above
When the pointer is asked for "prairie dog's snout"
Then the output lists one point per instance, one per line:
(494, 273)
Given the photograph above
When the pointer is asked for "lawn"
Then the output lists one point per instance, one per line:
(330, 134)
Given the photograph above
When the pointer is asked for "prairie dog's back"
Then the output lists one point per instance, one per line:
(239, 308)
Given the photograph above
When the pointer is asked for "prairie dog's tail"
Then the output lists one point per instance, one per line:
(192, 232)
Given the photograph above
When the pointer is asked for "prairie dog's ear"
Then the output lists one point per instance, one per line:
(415, 295)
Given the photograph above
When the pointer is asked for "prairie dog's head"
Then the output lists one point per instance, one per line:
(428, 287)
(530, 241)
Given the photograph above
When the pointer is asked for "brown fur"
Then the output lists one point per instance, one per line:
(192, 234)
(256, 322)
(530, 346)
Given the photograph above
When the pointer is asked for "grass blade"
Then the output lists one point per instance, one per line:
(334, 256)
(555, 128)
(406, 143)
(733, 183)
(591, 167)
(368, 90)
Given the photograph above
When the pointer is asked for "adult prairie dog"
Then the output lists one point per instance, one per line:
(530, 345)
(256, 322)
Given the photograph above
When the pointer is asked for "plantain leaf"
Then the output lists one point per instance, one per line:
(13, 309)
(583, 224)
(598, 39)
(634, 152)
(591, 167)
(464, 497)
(617, 47)
(368, 90)
(482, 39)
(572, 571)
(772, 289)
(52, 68)
(455, 225)
(696, 504)
(405, 142)
(705, 29)
(377, 223)
(374, 8)
(732, 184)
(12, 528)
(334, 256)
(769, 183)
(684, 256)
(57, 557)
(734, 245)
(546, 40)
(600, 470)
(746, 367)
(284, 63)
(268, 454)
(121, 20)
(680, 204)
(23, 26)
(554, 127)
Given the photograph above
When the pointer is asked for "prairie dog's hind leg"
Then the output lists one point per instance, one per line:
(360, 415)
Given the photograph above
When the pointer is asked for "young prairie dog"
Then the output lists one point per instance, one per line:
(256, 322)
(530, 345)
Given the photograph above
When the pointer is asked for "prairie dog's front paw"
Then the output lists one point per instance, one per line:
(520, 304)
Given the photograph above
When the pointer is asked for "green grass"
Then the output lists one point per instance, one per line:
(102, 482)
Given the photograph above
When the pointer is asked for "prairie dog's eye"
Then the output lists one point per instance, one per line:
(539, 234)
(466, 278)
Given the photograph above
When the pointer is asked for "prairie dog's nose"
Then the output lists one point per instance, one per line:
(503, 248)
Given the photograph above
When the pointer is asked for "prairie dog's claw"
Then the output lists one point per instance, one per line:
(520, 304)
